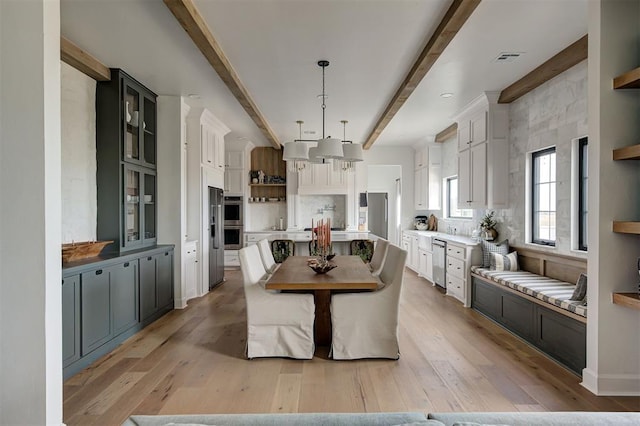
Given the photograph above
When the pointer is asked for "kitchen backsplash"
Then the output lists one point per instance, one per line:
(265, 216)
(318, 207)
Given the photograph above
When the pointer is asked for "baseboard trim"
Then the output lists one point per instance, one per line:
(611, 384)
(180, 304)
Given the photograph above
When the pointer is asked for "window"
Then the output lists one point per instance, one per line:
(452, 201)
(543, 206)
(583, 153)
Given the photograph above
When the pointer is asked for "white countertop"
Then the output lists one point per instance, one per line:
(296, 235)
(460, 239)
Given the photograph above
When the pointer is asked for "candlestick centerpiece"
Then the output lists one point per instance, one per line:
(321, 247)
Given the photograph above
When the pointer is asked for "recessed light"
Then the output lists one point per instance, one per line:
(446, 95)
(193, 96)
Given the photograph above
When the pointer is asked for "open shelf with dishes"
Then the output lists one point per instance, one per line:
(274, 171)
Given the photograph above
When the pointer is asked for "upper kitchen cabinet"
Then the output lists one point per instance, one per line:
(207, 132)
(322, 179)
(427, 188)
(483, 153)
(126, 162)
(234, 173)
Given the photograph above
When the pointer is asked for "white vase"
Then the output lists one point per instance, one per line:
(126, 108)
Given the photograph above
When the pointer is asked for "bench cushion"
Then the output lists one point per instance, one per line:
(547, 289)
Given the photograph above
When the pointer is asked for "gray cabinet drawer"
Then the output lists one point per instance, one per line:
(70, 319)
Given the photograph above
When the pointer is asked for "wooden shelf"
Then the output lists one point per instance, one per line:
(627, 153)
(267, 184)
(626, 227)
(628, 80)
(630, 300)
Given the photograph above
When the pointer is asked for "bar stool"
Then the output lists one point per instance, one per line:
(282, 249)
(362, 248)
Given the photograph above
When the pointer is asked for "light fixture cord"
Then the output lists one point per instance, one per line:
(323, 104)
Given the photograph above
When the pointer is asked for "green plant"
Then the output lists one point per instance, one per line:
(488, 221)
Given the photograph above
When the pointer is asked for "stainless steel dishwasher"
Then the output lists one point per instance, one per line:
(439, 268)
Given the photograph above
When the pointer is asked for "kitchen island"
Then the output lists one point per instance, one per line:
(340, 239)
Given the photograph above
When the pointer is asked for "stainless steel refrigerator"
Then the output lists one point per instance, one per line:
(378, 209)
(216, 237)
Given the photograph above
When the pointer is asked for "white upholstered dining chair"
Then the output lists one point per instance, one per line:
(379, 252)
(268, 261)
(278, 324)
(365, 325)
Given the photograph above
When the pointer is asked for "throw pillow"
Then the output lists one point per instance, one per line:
(489, 247)
(581, 288)
(504, 263)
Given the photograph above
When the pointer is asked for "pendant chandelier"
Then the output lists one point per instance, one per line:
(344, 153)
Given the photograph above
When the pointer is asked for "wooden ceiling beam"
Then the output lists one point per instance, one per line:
(190, 19)
(83, 61)
(447, 133)
(456, 16)
(565, 59)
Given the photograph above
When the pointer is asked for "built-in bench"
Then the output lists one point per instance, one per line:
(534, 304)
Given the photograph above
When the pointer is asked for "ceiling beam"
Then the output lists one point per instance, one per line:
(568, 57)
(456, 16)
(447, 133)
(188, 16)
(83, 61)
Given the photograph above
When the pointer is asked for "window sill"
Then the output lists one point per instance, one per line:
(580, 253)
(541, 246)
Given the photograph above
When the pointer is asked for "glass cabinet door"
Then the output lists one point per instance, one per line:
(131, 209)
(149, 132)
(149, 207)
(131, 111)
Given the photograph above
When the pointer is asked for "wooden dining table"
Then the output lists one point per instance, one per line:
(350, 275)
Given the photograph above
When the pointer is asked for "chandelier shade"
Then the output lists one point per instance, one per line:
(330, 148)
(295, 151)
(352, 152)
(313, 156)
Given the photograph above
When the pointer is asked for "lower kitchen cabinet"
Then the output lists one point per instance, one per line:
(109, 303)
(70, 319)
(156, 284)
(107, 300)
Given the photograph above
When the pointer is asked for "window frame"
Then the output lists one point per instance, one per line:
(583, 185)
(447, 193)
(534, 203)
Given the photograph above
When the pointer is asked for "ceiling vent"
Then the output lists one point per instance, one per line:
(508, 57)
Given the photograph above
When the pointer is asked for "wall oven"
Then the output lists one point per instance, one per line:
(233, 237)
(233, 211)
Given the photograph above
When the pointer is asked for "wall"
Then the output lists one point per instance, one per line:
(551, 115)
(79, 198)
(30, 268)
(613, 340)
(264, 216)
(389, 155)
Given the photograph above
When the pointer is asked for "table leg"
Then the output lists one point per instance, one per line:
(322, 325)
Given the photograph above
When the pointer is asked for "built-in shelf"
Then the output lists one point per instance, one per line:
(627, 153)
(630, 300)
(267, 184)
(626, 227)
(628, 80)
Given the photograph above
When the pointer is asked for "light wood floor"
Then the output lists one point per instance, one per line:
(452, 359)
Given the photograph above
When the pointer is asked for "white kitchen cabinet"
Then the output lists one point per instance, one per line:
(425, 264)
(191, 272)
(472, 177)
(420, 187)
(231, 259)
(233, 182)
(435, 155)
(434, 193)
(235, 174)
(234, 159)
(322, 179)
(483, 153)
(420, 159)
(413, 253)
(406, 245)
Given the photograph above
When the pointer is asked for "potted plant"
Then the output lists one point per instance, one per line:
(488, 225)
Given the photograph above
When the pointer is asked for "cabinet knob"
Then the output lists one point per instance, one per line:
(99, 272)
(126, 265)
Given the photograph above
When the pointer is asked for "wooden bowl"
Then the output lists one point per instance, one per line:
(82, 250)
(323, 268)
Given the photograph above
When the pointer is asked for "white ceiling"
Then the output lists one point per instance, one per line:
(274, 46)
